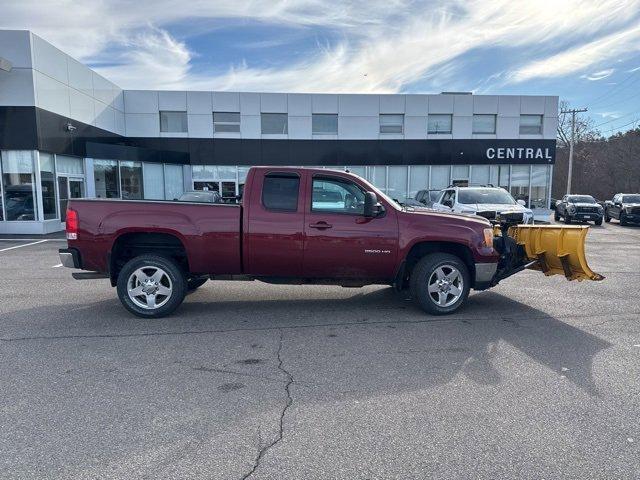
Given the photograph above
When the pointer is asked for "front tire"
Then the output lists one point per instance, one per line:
(623, 219)
(440, 283)
(151, 286)
(607, 218)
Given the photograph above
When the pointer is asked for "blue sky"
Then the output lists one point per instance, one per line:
(588, 53)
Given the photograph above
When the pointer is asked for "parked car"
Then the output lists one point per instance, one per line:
(201, 196)
(488, 201)
(581, 208)
(299, 225)
(625, 207)
(427, 197)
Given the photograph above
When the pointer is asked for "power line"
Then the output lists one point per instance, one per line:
(616, 119)
(622, 126)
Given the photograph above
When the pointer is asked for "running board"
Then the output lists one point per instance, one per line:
(88, 275)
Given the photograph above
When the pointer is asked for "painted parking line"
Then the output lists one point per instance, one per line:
(23, 245)
(32, 239)
(57, 266)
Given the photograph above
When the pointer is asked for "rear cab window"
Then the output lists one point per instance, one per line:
(280, 192)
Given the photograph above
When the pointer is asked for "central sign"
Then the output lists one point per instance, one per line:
(518, 153)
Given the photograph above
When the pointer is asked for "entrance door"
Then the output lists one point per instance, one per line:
(63, 196)
(68, 188)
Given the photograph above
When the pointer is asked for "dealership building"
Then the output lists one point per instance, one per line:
(67, 132)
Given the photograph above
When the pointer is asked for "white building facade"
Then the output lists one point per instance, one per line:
(67, 132)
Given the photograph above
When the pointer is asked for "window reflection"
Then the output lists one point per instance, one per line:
(18, 185)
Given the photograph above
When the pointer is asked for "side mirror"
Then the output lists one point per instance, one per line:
(370, 204)
(522, 203)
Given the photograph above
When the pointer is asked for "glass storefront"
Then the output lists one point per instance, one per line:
(18, 185)
(31, 178)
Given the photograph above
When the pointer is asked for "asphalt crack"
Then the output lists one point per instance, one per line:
(278, 438)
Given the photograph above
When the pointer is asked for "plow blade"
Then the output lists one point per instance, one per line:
(555, 250)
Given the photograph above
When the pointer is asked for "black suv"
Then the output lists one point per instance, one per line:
(625, 207)
(582, 208)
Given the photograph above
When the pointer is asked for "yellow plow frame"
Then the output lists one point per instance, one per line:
(555, 250)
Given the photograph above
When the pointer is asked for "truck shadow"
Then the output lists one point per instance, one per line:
(470, 342)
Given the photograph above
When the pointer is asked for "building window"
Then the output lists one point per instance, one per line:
(539, 186)
(173, 122)
(19, 186)
(397, 182)
(131, 180)
(439, 123)
(391, 123)
(226, 122)
(324, 124)
(153, 178)
(520, 182)
(440, 176)
(173, 182)
(280, 192)
(530, 124)
(47, 183)
(484, 124)
(107, 178)
(460, 175)
(274, 123)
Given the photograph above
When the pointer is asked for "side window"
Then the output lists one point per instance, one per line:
(280, 192)
(448, 195)
(336, 196)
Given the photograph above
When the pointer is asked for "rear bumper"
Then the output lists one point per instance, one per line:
(69, 257)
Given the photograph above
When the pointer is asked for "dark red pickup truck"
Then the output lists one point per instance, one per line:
(294, 225)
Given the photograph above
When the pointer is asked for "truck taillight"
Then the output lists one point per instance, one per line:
(72, 224)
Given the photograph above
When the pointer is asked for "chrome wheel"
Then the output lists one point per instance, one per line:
(445, 286)
(149, 287)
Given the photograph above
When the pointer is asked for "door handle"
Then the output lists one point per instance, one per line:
(320, 225)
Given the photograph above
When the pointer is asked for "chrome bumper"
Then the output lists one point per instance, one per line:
(485, 272)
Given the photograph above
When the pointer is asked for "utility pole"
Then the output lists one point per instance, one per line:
(573, 112)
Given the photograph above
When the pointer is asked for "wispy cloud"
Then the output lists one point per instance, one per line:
(381, 46)
(602, 74)
(608, 47)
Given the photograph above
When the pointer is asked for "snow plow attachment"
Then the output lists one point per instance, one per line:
(555, 250)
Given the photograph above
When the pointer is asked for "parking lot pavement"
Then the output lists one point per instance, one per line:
(537, 378)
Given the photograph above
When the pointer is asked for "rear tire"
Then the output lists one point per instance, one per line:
(556, 217)
(567, 219)
(607, 218)
(598, 222)
(151, 286)
(440, 283)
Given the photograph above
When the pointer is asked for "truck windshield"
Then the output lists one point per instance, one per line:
(631, 198)
(485, 195)
(581, 199)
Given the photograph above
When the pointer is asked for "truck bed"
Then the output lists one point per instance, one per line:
(210, 233)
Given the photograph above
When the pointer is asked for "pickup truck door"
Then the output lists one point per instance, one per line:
(339, 241)
(275, 225)
(615, 207)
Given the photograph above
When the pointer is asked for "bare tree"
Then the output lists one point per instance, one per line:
(585, 128)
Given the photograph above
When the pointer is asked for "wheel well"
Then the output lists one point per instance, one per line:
(421, 249)
(130, 245)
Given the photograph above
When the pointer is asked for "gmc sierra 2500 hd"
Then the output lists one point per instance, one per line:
(298, 225)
